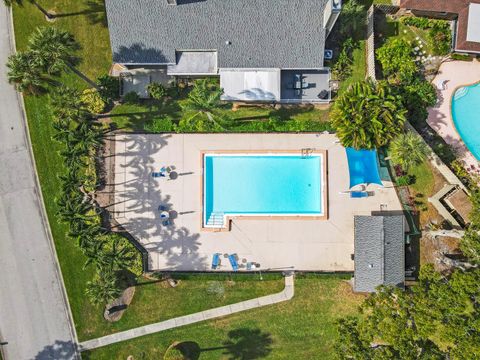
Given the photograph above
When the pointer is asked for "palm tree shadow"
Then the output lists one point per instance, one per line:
(94, 12)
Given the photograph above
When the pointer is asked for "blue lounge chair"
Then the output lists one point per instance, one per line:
(358, 194)
(233, 262)
(215, 261)
(166, 223)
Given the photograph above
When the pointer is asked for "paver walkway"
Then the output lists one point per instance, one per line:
(284, 295)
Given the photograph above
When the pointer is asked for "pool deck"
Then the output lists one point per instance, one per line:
(456, 74)
(276, 244)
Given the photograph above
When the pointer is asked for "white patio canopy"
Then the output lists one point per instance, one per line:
(250, 84)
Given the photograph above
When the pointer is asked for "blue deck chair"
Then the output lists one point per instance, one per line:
(215, 261)
(233, 262)
(358, 194)
(167, 223)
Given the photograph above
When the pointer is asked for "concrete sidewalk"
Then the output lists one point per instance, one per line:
(286, 294)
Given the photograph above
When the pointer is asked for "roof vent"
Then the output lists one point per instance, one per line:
(228, 42)
(172, 2)
(370, 266)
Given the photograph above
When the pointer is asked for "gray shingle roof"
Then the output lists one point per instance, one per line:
(263, 33)
(379, 252)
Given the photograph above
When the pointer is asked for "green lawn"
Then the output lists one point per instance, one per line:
(96, 58)
(156, 301)
(132, 117)
(302, 328)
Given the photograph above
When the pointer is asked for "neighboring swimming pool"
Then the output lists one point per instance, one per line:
(466, 116)
(262, 185)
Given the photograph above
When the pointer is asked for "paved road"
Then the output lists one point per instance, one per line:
(34, 317)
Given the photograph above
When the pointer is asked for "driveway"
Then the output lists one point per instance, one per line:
(34, 316)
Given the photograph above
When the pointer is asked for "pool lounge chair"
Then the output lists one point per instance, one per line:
(233, 262)
(215, 261)
(358, 194)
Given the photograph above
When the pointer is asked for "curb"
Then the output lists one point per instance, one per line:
(38, 192)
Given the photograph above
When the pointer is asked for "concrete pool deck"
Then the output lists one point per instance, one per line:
(276, 244)
(456, 74)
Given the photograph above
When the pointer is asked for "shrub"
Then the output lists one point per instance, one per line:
(131, 97)
(159, 125)
(397, 61)
(408, 150)
(93, 101)
(156, 91)
(109, 87)
(419, 22)
(343, 65)
(404, 180)
(216, 289)
(440, 39)
(461, 57)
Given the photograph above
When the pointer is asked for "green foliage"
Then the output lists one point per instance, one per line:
(109, 88)
(436, 318)
(461, 57)
(173, 353)
(408, 150)
(66, 104)
(25, 73)
(103, 288)
(419, 22)
(404, 180)
(93, 101)
(156, 91)
(343, 65)
(54, 48)
(352, 18)
(367, 116)
(159, 125)
(131, 98)
(396, 59)
(439, 34)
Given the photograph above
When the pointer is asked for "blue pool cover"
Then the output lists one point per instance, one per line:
(363, 167)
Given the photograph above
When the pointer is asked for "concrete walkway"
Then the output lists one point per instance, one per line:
(35, 321)
(284, 295)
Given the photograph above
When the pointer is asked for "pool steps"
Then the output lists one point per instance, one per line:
(216, 219)
(461, 92)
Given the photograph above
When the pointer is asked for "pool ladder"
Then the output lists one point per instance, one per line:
(216, 219)
(306, 152)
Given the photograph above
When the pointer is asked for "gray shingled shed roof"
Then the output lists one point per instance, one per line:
(379, 252)
(263, 33)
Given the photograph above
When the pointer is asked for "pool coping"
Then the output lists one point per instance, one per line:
(230, 218)
(455, 89)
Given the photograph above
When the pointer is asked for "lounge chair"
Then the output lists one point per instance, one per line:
(233, 262)
(215, 261)
(167, 223)
(358, 194)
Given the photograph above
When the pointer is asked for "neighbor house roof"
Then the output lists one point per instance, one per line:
(379, 252)
(467, 22)
(245, 33)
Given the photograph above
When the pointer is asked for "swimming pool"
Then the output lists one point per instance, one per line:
(466, 116)
(262, 185)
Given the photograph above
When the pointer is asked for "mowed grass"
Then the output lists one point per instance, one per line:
(156, 301)
(95, 54)
(302, 328)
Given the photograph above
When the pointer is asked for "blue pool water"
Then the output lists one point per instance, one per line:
(363, 167)
(466, 116)
(261, 184)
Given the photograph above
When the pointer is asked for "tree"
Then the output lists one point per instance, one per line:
(115, 254)
(103, 289)
(67, 104)
(54, 48)
(25, 72)
(352, 18)
(397, 61)
(408, 150)
(201, 108)
(368, 116)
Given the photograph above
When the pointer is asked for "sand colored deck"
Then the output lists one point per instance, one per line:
(456, 74)
(275, 244)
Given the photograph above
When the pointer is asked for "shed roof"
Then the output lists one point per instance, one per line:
(379, 252)
(245, 33)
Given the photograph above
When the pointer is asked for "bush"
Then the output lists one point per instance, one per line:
(93, 101)
(404, 180)
(131, 97)
(156, 91)
(343, 65)
(397, 61)
(419, 22)
(109, 87)
(440, 39)
(159, 125)
(461, 57)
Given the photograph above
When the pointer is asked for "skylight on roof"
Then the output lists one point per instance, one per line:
(473, 26)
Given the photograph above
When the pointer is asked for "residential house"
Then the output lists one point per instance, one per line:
(262, 50)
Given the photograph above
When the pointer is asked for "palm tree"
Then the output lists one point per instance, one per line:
(86, 136)
(202, 106)
(103, 289)
(368, 116)
(66, 104)
(408, 150)
(25, 72)
(54, 48)
(118, 257)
